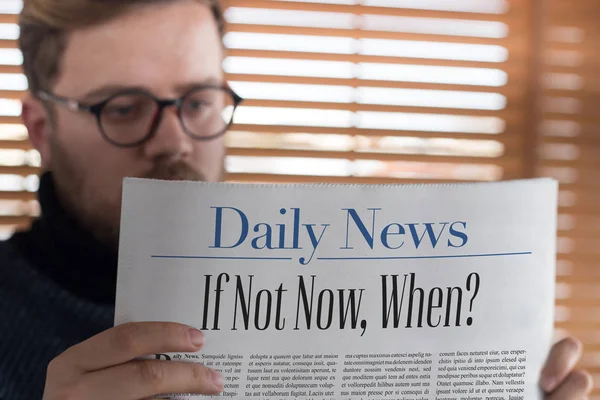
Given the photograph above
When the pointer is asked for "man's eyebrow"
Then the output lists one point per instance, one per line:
(209, 81)
(109, 90)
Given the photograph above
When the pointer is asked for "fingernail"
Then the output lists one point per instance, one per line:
(196, 337)
(217, 379)
(548, 384)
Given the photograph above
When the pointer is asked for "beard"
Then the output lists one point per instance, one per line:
(98, 210)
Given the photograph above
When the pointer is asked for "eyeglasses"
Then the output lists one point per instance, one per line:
(131, 117)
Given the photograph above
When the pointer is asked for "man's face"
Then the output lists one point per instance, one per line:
(165, 49)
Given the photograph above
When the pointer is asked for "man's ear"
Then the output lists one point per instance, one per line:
(37, 121)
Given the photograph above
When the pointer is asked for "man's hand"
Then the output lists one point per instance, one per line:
(560, 381)
(105, 366)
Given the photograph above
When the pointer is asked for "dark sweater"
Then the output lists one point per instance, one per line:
(57, 288)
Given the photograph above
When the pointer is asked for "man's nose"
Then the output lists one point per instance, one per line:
(169, 140)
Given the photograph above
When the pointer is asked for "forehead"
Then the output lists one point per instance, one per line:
(158, 46)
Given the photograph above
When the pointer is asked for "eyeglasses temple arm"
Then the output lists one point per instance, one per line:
(71, 104)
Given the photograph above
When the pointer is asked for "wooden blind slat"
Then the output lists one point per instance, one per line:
(512, 66)
(584, 164)
(581, 235)
(10, 120)
(509, 18)
(509, 139)
(15, 144)
(515, 44)
(577, 302)
(579, 140)
(253, 152)
(20, 170)
(583, 69)
(10, 69)
(8, 19)
(15, 220)
(12, 94)
(22, 196)
(585, 94)
(507, 114)
(8, 44)
(513, 90)
(569, 117)
(585, 232)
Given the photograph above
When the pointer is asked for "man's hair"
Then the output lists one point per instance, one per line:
(46, 24)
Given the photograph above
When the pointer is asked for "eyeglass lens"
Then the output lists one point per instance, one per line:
(204, 113)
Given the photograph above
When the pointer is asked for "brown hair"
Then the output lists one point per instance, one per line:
(45, 25)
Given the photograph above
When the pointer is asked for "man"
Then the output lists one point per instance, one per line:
(120, 88)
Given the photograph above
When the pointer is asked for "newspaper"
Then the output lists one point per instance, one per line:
(348, 292)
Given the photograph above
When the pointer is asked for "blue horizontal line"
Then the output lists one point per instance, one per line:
(224, 258)
(424, 257)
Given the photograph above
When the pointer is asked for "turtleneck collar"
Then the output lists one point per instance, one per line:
(67, 253)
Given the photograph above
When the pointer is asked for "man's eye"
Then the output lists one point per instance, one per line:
(120, 111)
(196, 105)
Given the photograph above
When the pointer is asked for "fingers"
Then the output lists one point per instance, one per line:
(561, 361)
(576, 386)
(130, 341)
(144, 379)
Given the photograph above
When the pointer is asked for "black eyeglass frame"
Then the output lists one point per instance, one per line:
(97, 108)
